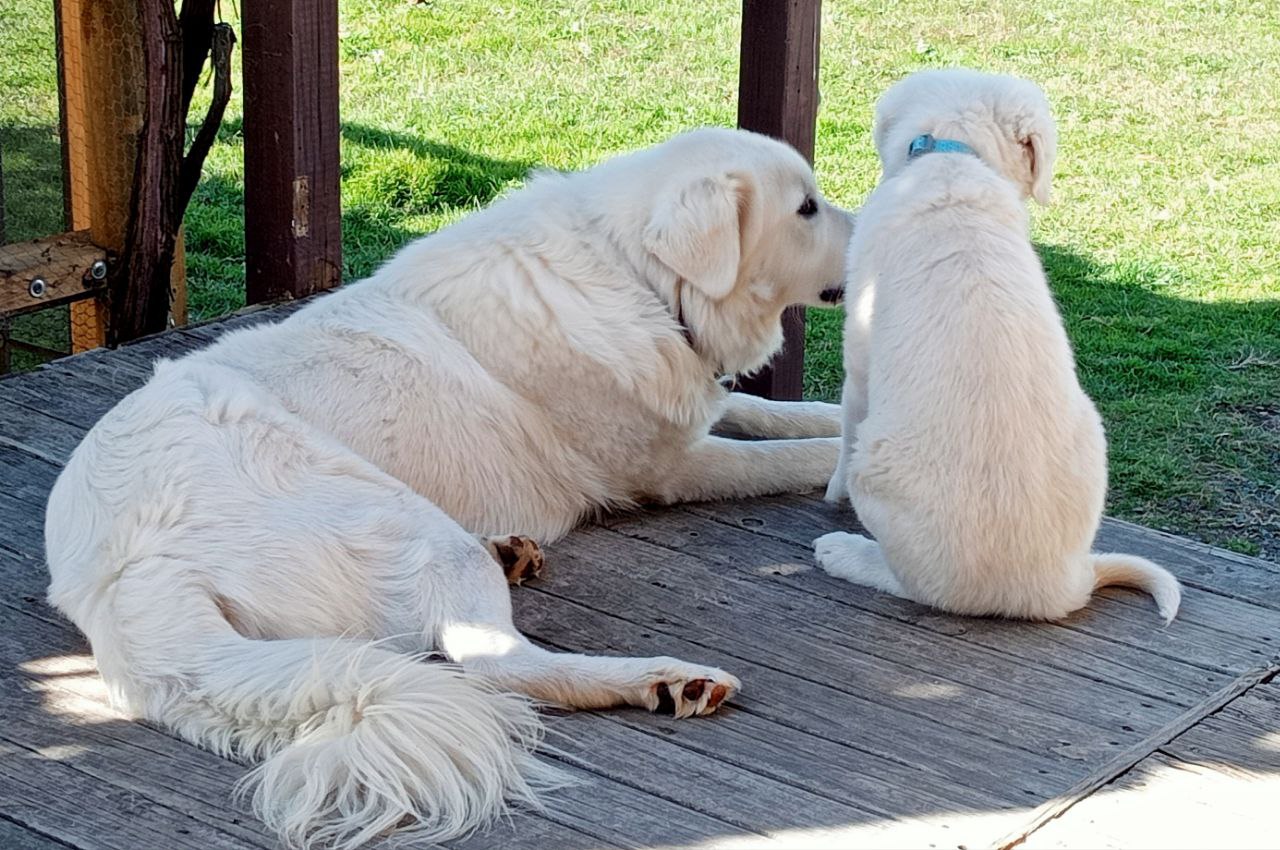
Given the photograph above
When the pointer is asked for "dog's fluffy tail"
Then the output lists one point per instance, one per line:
(1133, 571)
(358, 740)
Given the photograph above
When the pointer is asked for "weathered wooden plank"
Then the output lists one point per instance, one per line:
(52, 797)
(930, 754)
(83, 734)
(254, 314)
(800, 520)
(1126, 761)
(14, 836)
(1245, 735)
(1215, 785)
(1023, 644)
(25, 477)
(874, 783)
(37, 433)
(799, 632)
(65, 396)
(747, 799)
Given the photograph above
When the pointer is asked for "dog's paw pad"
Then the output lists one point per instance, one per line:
(520, 557)
(692, 696)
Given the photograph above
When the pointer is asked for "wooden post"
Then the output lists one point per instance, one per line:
(104, 115)
(88, 318)
(778, 96)
(293, 228)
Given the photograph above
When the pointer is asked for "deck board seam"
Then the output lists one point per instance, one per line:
(1125, 642)
(29, 406)
(30, 451)
(755, 770)
(584, 765)
(150, 798)
(62, 624)
(4, 816)
(1126, 761)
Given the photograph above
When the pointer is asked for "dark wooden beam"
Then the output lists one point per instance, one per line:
(138, 286)
(778, 96)
(292, 221)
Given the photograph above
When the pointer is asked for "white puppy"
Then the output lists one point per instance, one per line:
(254, 541)
(972, 454)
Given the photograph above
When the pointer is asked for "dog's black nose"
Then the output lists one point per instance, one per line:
(834, 295)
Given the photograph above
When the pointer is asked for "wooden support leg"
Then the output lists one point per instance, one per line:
(778, 96)
(292, 215)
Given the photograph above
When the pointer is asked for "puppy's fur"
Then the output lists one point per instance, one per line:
(262, 541)
(972, 453)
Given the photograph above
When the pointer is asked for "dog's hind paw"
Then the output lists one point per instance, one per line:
(520, 557)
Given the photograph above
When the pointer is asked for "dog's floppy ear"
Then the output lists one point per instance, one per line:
(697, 231)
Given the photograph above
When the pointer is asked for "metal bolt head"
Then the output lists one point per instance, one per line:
(98, 270)
(37, 288)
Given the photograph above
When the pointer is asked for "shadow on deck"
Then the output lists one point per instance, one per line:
(864, 720)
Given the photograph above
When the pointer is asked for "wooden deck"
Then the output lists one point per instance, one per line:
(864, 721)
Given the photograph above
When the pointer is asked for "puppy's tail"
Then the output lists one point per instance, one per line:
(1131, 571)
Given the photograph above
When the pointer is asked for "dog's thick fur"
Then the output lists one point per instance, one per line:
(972, 454)
(261, 541)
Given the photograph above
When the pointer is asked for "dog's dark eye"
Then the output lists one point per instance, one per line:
(809, 208)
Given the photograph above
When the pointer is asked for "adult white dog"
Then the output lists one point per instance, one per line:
(259, 542)
(972, 454)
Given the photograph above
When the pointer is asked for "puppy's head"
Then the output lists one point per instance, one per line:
(1005, 119)
(739, 217)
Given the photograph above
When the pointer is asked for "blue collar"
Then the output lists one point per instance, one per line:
(926, 143)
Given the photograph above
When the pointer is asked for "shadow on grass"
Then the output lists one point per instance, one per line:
(391, 182)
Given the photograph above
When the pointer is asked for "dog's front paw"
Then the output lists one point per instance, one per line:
(686, 690)
(520, 557)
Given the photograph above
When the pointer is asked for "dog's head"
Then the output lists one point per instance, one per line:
(1006, 120)
(738, 217)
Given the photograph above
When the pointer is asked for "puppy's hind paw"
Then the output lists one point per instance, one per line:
(830, 549)
(856, 559)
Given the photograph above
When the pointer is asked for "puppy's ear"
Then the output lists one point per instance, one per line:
(881, 125)
(1039, 154)
(1039, 141)
(697, 231)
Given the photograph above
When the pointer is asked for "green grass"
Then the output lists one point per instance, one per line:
(1161, 246)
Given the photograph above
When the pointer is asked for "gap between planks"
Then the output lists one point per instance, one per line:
(1126, 761)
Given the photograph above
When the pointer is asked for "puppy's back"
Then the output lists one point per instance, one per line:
(976, 414)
